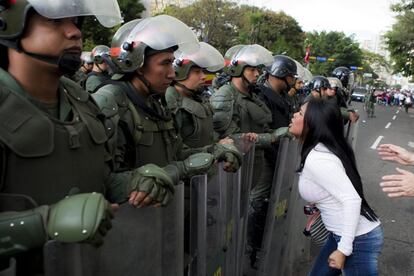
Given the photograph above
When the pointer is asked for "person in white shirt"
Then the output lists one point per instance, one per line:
(329, 179)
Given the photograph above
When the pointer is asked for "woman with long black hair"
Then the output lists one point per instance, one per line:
(329, 178)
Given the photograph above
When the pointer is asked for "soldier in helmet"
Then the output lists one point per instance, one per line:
(53, 141)
(100, 70)
(238, 111)
(193, 114)
(346, 76)
(135, 99)
(321, 87)
(86, 67)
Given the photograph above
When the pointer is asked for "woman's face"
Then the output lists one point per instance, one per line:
(296, 125)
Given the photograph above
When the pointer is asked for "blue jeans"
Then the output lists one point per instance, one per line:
(362, 262)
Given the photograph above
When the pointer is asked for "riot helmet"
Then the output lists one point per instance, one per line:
(282, 67)
(248, 55)
(206, 57)
(318, 83)
(86, 57)
(99, 53)
(13, 20)
(345, 75)
(335, 83)
(140, 38)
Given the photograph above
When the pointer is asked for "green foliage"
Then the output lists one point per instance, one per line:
(95, 34)
(224, 24)
(212, 20)
(400, 39)
(337, 45)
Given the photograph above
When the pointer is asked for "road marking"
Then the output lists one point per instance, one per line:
(388, 125)
(398, 111)
(395, 116)
(375, 145)
(411, 144)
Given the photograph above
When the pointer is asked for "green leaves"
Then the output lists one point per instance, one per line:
(95, 34)
(400, 39)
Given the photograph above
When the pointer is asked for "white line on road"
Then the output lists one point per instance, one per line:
(398, 111)
(375, 145)
(395, 116)
(388, 125)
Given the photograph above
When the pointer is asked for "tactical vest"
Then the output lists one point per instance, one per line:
(147, 139)
(196, 125)
(46, 157)
(253, 114)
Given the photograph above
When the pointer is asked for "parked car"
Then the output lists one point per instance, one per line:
(358, 94)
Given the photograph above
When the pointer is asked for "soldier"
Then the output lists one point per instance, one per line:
(53, 142)
(192, 113)
(337, 88)
(320, 87)
(238, 111)
(135, 99)
(86, 67)
(100, 70)
(346, 76)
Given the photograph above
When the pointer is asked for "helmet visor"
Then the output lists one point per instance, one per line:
(254, 55)
(87, 57)
(163, 32)
(206, 57)
(106, 11)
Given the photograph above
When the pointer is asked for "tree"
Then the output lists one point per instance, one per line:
(95, 34)
(400, 39)
(212, 20)
(276, 31)
(343, 49)
(224, 24)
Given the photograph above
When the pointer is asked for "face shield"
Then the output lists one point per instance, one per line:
(254, 56)
(86, 57)
(106, 11)
(206, 57)
(163, 32)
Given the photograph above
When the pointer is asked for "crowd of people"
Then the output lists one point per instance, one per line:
(136, 120)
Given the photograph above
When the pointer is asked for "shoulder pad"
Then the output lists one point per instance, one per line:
(20, 122)
(74, 90)
(193, 107)
(223, 99)
(109, 98)
(172, 97)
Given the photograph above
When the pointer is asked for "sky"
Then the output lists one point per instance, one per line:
(364, 18)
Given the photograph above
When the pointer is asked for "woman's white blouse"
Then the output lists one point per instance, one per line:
(323, 181)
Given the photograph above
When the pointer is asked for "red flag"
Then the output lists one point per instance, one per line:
(307, 55)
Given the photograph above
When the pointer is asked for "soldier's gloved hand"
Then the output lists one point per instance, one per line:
(281, 132)
(78, 218)
(151, 185)
(229, 154)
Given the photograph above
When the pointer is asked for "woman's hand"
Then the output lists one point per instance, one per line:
(337, 260)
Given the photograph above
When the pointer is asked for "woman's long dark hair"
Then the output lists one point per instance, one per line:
(323, 123)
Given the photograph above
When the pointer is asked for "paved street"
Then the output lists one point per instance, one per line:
(397, 215)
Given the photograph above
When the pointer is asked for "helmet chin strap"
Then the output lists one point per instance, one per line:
(147, 84)
(67, 62)
(192, 91)
(251, 87)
